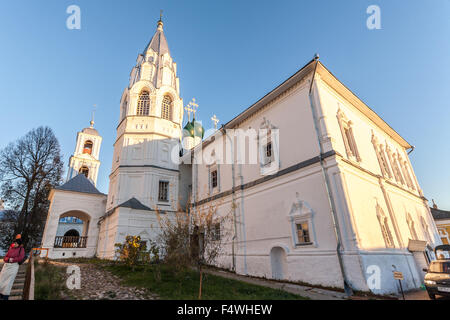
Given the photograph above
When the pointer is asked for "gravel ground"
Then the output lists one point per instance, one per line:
(99, 284)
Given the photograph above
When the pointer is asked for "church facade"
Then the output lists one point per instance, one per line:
(320, 188)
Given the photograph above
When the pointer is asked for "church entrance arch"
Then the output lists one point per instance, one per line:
(72, 230)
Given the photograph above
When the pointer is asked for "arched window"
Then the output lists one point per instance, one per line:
(84, 170)
(385, 230)
(87, 148)
(166, 108)
(143, 106)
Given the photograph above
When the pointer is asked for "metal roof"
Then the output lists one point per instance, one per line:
(439, 214)
(134, 203)
(79, 183)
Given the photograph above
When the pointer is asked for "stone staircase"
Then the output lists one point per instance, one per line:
(19, 283)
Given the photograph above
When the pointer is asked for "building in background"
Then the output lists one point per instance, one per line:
(442, 220)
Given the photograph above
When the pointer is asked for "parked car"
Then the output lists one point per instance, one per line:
(437, 277)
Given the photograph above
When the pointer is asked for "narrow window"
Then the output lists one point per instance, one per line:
(143, 106)
(216, 232)
(348, 136)
(87, 148)
(412, 228)
(426, 230)
(303, 233)
(84, 170)
(385, 230)
(214, 178)
(163, 194)
(166, 108)
(268, 156)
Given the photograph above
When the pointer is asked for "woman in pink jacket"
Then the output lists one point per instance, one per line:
(15, 254)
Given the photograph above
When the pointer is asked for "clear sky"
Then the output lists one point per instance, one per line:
(229, 54)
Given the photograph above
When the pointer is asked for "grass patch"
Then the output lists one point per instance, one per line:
(163, 281)
(49, 281)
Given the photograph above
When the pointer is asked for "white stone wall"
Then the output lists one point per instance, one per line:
(87, 207)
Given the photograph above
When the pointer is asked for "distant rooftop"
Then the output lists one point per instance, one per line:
(439, 214)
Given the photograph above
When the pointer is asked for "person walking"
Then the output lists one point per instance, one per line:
(15, 255)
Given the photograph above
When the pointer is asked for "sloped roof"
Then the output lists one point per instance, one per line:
(134, 203)
(439, 214)
(79, 183)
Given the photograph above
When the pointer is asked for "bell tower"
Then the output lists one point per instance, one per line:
(85, 158)
(149, 131)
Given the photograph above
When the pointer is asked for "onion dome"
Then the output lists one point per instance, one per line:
(193, 129)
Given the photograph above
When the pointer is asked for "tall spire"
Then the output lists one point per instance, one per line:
(159, 42)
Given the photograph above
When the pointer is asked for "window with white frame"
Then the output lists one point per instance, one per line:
(163, 191)
(395, 167)
(346, 127)
(143, 105)
(426, 230)
(301, 219)
(166, 108)
(412, 228)
(269, 156)
(214, 178)
(215, 232)
(385, 229)
(303, 233)
(406, 173)
(381, 156)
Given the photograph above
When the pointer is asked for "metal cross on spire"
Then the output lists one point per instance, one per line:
(93, 113)
(215, 120)
(193, 106)
(160, 15)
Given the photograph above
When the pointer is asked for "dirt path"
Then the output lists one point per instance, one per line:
(99, 284)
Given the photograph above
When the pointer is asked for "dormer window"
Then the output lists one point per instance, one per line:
(87, 148)
(348, 136)
(143, 105)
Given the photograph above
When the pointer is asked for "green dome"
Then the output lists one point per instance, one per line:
(193, 129)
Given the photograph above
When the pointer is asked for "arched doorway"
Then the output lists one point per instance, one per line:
(278, 262)
(72, 232)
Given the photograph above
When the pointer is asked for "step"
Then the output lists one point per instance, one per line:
(15, 292)
(16, 298)
(18, 286)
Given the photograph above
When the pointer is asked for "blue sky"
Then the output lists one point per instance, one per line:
(229, 54)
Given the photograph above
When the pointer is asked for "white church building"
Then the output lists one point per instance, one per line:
(321, 188)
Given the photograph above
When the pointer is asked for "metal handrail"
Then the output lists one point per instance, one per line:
(28, 289)
(70, 242)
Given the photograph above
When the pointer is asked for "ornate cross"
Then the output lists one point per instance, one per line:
(215, 120)
(160, 15)
(193, 106)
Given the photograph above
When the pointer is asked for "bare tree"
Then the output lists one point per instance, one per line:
(29, 168)
(194, 238)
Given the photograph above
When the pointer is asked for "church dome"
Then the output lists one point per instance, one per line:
(193, 129)
(90, 131)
